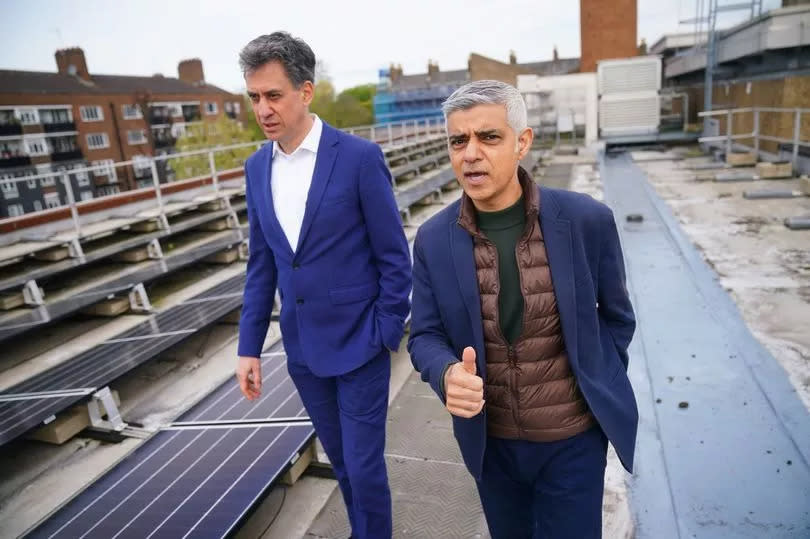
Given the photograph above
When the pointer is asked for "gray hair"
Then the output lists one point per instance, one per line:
(489, 92)
(291, 52)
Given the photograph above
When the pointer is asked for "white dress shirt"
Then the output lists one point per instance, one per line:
(291, 176)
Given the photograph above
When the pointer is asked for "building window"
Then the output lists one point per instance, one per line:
(136, 136)
(52, 200)
(82, 178)
(107, 169)
(211, 108)
(28, 116)
(37, 205)
(32, 184)
(36, 146)
(8, 186)
(91, 113)
(86, 195)
(132, 112)
(15, 210)
(97, 141)
(175, 110)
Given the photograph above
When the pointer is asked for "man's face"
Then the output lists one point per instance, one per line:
(485, 152)
(280, 108)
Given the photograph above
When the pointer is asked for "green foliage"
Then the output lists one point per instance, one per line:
(352, 107)
(223, 132)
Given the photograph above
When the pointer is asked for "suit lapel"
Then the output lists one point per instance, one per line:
(461, 247)
(268, 190)
(324, 161)
(557, 237)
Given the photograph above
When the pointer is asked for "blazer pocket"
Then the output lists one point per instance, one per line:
(334, 201)
(354, 293)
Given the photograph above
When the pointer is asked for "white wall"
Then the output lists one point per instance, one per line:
(566, 94)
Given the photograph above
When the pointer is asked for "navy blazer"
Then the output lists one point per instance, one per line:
(344, 290)
(587, 271)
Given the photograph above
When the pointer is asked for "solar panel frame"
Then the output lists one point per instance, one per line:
(208, 507)
(12, 325)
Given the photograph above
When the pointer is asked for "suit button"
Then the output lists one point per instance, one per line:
(299, 301)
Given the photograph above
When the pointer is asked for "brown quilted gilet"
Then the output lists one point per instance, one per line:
(530, 391)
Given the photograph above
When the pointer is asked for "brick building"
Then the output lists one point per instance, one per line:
(403, 97)
(72, 118)
(607, 30)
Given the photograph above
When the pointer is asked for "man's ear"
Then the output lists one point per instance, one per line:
(307, 91)
(525, 140)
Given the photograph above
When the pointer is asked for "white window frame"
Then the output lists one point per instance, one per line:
(131, 112)
(15, 210)
(236, 107)
(27, 116)
(32, 184)
(37, 205)
(36, 146)
(211, 108)
(91, 113)
(105, 141)
(109, 170)
(136, 141)
(82, 178)
(8, 186)
(86, 195)
(52, 200)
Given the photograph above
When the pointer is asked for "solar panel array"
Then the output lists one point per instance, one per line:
(196, 482)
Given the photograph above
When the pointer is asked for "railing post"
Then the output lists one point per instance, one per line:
(756, 132)
(74, 212)
(164, 222)
(729, 120)
(390, 135)
(797, 125)
(214, 178)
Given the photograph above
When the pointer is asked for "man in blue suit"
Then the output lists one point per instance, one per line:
(325, 230)
(521, 323)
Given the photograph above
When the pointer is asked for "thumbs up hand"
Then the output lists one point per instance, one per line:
(464, 389)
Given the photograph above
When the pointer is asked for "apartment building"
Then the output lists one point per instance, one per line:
(71, 119)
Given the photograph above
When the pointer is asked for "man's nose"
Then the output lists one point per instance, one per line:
(264, 109)
(472, 151)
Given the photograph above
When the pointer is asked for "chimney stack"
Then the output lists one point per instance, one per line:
(512, 58)
(72, 62)
(191, 72)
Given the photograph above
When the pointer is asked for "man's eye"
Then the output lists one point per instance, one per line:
(457, 142)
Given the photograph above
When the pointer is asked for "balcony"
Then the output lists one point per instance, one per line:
(15, 161)
(158, 119)
(191, 113)
(10, 129)
(66, 156)
(164, 142)
(58, 127)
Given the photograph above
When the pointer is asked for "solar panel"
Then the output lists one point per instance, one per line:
(109, 360)
(16, 323)
(193, 483)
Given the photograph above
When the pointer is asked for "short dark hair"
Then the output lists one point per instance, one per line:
(291, 52)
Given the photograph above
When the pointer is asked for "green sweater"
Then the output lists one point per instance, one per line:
(504, 228)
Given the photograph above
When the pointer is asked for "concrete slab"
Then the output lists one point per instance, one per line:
(24, 248)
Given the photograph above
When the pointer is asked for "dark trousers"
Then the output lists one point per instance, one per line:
(349, 414)
(544, 490)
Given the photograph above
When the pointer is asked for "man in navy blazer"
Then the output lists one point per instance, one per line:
(521, 322)
(325, 230)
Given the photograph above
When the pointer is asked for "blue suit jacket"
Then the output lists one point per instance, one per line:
(587, 272)
(344, 291)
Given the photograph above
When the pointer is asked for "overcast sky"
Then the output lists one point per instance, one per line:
(353, 38)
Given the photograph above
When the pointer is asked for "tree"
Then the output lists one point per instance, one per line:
(223, 132)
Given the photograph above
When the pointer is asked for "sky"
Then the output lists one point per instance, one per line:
(354, 38)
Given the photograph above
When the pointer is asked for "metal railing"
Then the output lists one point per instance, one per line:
(756, 135)
(400, 132)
